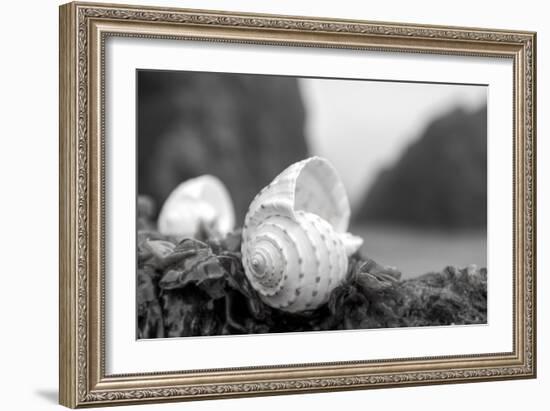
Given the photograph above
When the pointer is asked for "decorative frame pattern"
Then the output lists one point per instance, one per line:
(83, 30)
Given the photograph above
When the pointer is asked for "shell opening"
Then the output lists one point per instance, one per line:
(199, 201)
(319, 190)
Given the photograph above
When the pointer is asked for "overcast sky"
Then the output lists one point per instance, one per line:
(361, 126)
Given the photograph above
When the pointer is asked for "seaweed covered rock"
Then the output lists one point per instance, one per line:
(451, 296)
(198, 288)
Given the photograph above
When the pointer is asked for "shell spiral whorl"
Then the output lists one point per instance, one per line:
(295, 246)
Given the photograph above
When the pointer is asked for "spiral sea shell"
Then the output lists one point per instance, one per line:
(295, 246)
(197, 204)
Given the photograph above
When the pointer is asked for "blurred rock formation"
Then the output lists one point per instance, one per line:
(243, 129)
(439, 181)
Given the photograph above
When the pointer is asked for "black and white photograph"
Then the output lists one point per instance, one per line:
(278, 204)
(259, 203)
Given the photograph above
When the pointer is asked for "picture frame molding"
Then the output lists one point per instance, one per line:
(84, 27)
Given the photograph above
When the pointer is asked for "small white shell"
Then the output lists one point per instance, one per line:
(202, 201)
(295, 246)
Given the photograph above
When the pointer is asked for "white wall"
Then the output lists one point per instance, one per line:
(28, 213)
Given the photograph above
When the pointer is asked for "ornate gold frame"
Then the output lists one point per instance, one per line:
(83, 30)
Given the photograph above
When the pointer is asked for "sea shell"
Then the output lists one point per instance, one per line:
(295, 246)
(201, 203)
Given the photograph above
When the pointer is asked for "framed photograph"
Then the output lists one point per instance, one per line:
(259, 204)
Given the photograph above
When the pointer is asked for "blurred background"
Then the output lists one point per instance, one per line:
(413, 156)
